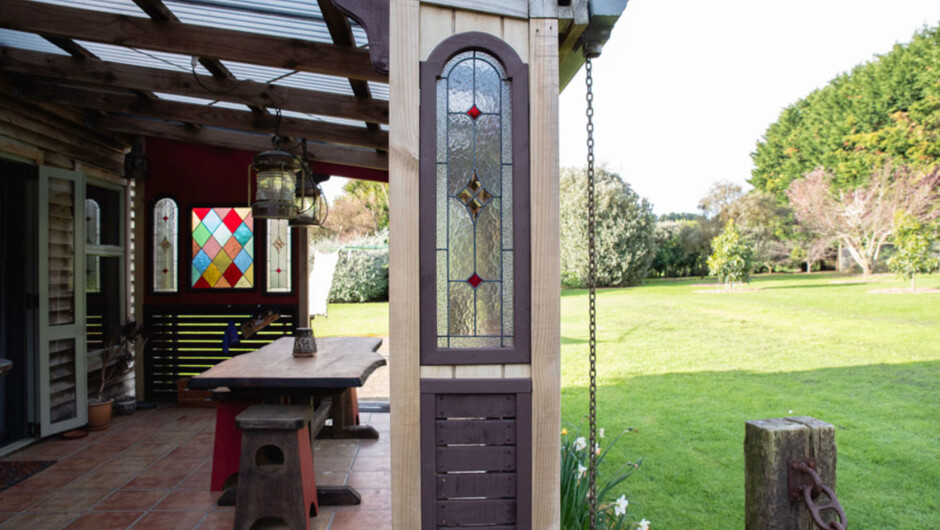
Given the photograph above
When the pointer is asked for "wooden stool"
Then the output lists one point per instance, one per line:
(275, 478)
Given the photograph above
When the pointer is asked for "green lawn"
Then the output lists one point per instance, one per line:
(687, 370)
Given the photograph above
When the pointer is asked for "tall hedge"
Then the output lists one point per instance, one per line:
(362, 268)
(887, 109)
(625, 231)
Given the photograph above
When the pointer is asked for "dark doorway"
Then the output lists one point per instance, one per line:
(17, 312)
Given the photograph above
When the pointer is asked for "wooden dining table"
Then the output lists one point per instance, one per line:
(273, 375)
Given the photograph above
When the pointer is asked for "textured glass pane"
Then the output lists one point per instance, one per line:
(441, 205)
(223, 248)
(442, 342)
(460, 87)
(62, 380)
(507, 123)
(461, 258)
(442, 120)
(461, 305)
(474, 342)
(92, 274)
(488, 309)
(92, 222)
(486, 87)
(442, 290)
(507, 293)
(165, 250)
(488, 242)
(507, 207)
(460, 152)
(61, 252)
(279, 270)
(488, 152)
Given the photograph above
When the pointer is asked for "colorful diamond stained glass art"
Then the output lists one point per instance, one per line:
(223, 248)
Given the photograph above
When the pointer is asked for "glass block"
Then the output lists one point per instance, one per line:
(488, 309)
(506, 122)
(459, 152)
(507, 205)
(461, 242)
(488, 250)
(279, 256)
(487, 154)
(460, 87)
(441, 290)
(507, 293)
(486, 86)
(461, 314)
(61, 251)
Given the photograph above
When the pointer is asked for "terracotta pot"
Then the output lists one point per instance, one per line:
(99, 415)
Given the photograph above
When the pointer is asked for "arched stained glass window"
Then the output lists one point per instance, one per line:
(165, 245)
(474, 203)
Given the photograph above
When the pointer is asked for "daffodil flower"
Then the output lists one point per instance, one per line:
(564, 432)
(643, 525)
(620, 505)
(600, 432)
(581, 470)
(580, 444)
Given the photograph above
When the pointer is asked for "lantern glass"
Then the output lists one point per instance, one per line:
(276, 180)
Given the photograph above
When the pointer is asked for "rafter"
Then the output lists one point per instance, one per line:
(207, 115)
(238, 140)
(187, 39)
(142, 78)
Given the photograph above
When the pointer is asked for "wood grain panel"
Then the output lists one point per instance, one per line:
(475, 406)
(546, 295)
(487, 432)
(404, 31)
(476, 512)
(490, 485)
(449, 459)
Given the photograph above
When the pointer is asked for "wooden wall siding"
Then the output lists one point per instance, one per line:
(476, 454)
(546, 270)
(185, 341)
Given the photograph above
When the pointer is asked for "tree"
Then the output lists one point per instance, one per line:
(765, 222)
(731, 257)
(374, 198)
(912, 253)
(862, 219)
(720, 196)
(625, 226)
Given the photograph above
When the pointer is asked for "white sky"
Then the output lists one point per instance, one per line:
(685, 88)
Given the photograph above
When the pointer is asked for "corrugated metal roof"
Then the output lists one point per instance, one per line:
(28, 41)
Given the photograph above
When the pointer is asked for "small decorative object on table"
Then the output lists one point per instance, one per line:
(305, 344)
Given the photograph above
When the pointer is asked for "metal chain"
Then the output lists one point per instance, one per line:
(592, 297)
(816, 510)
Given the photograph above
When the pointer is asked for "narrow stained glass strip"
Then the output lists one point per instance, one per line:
(279, 256)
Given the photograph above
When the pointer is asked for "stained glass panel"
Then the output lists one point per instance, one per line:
(223, 248)
(474, 204)
(279, 271)
(165, 246)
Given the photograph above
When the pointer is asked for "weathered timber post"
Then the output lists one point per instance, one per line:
(769, 447)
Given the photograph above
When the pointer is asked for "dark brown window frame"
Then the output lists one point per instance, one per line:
(518, 74)
(522, 388)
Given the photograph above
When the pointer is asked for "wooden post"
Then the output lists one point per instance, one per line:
(769, 445)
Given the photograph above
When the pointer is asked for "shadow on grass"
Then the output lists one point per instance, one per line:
(691, 427)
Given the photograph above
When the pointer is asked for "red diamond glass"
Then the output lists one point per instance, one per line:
(474, 280)
(474, 112)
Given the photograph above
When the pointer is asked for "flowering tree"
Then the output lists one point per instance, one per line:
(731, 256)
(862, 219)
(912, 241)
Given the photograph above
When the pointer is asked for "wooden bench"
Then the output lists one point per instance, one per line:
(276, 478)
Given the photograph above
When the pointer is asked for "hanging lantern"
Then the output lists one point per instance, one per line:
(276, 178)
(312, 207)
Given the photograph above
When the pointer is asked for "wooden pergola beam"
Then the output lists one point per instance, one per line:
(239, 140)
(263, 123)
(174, 82)
(188, 39)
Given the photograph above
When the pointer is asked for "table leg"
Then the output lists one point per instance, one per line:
(344, 416)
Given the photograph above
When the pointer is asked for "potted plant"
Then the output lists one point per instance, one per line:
(117, 359)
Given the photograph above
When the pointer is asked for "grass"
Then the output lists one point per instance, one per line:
(687, 369)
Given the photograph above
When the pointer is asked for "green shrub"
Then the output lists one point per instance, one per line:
(625, 227)
(731, 258)
(575, 512)
(361, 271)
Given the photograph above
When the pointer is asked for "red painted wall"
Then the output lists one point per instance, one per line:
(199, 175)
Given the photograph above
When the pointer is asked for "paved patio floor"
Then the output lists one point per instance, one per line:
(152, 469)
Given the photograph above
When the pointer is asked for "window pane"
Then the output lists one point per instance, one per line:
(165, 246)
(223, 248)
(279, 271)
(474, 204)
(108, 216)
(92, 237)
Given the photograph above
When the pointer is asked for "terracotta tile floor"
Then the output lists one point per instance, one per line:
(151, 470)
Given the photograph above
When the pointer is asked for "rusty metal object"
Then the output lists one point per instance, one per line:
(804, 483)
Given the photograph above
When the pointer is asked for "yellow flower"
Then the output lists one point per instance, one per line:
(564, 432)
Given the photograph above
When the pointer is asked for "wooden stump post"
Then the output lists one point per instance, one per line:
(769, 445)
